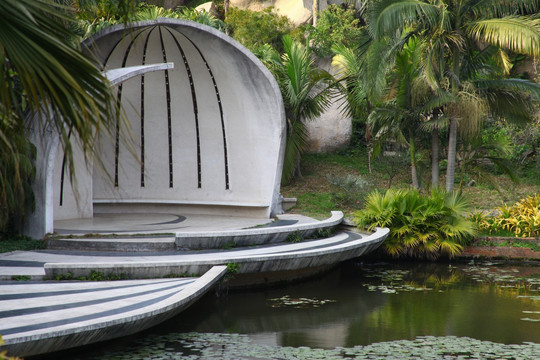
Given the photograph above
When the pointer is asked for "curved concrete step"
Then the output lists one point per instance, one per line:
(114, 243)
(269, 258)
(275, 233)
(38, 318)
(279, 231)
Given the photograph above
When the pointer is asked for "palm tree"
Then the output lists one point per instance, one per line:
(362, 76)
(400, 117)
(456, 32)
(306, 92)
(44, 73)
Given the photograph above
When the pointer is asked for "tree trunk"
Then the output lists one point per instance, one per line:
(412, 153)
(315, 12)
(297, 171)
(451, 165)
(435, 158)
(226, 4)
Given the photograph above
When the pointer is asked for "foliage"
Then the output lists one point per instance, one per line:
(349, 190)
(202, 17)
(295, 237)
(44, 74)
(232, 268)
(19, 242)
(400, 117)
(420, 226)
(306, 92)
(466, 55)
(89, 25)
(480, 156)
(335, 25)
(150, 12)
(94, 276)
(523, 143)
(509, 243)
(17, 172)
(118, 10)
(241, 346)
(522, 218)
(253, 29)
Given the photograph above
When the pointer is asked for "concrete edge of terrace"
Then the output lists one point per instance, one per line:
(341, 247)
(253, 236)
(47, 340)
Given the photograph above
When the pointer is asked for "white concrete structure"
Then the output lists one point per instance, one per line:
(204, 131)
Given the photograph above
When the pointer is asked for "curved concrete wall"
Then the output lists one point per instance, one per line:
(208, 133)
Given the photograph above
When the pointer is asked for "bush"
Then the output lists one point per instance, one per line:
(336, 25)
(253, 29)
(420, 226)
(521, 219)
(349, 190)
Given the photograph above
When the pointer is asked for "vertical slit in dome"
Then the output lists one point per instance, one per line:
(195, 108)
(142, 107)
(218, 98)
(169, 119)
(62, 174)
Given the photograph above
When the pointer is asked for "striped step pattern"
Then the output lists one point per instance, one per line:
(44, 317)
(268, 258)
(276, 232)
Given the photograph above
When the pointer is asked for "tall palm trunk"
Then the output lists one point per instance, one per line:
(412, 153)
(226, 4)
(435, 158)
(368, 139)
(315, 12)
(435, 151)
(451, 165)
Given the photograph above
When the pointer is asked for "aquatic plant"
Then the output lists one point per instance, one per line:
(237, 346)
(420, 226)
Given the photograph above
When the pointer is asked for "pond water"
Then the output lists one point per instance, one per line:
(359, 310)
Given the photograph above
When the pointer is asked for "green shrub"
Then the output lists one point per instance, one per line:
(521, 219)
(336, 25)
(10, 242)
(349, 190)
(255, 28)
(420, 226)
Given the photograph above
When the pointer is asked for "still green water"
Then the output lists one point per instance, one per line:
(360, 310)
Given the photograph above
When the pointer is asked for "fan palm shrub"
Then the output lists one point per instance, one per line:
(420, 226)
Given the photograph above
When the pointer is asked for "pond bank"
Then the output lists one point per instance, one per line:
(494, 248)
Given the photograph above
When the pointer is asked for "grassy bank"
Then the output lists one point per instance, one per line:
(340, 181)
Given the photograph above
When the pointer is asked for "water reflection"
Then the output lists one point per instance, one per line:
(361, 304)
(377, 302)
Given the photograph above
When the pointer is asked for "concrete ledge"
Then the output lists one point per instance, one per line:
(338, 248)
(253, 236)
(124, 244)
(252, 210)
(44, 339)
(288, 203)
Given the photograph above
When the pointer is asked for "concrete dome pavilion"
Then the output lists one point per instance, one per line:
(205, 131)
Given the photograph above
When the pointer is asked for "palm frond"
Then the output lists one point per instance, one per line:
(388, 15)
(516, 33)
(497, 8)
